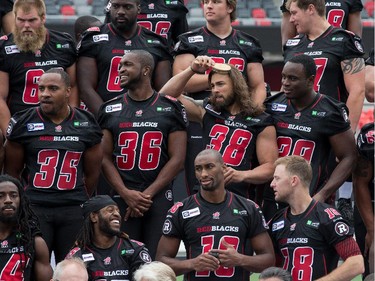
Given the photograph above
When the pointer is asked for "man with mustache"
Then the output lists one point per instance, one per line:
(23, 254)
(26, 54)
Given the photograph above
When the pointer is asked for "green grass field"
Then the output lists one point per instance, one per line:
(254, 277)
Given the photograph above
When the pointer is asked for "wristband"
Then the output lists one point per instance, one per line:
(196, 72)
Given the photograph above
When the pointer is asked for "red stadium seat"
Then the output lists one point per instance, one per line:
(258, 13)
(369, 6)
(67, 10)
(263, 22)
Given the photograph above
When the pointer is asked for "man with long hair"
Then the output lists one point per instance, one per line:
(24, 254)
(107, 252)
(232, 123)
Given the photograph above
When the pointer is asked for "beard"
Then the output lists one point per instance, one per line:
(219, 106)
(105, 227)
(30, 42)
(9, 219)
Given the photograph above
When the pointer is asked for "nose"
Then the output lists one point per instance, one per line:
(8, 199)
(273, 184)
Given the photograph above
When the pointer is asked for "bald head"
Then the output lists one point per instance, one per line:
(73, 269)
(211, 153)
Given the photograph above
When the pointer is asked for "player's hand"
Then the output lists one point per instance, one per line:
(231, 175)
(319, 197)
(138, 203)
(201, 64)
(205, 262)
(228, 257)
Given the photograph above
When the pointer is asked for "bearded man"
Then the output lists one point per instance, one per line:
(26, 54)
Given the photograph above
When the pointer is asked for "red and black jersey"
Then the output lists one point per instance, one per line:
(140, 132)
(108, 47)
(328, 51)
(53, 154)
(238, 49)
(25, 68)
(118, 262)
(234, 136)
(202, 226)
(306, 133)
(337, 11)
(306, 242)
(164, 17)
(365, 147)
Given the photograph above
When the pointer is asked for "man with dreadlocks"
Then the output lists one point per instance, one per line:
(107, 252)
(232, 123)
(23, 253)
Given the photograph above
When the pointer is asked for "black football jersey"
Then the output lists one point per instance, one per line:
(238, 49)
(234, 136)
(164, 17)
(118, 262)
(108, 47)
(203, 226)
(365, 146)
(328, 51)
(306, 133)
(53, 154)
(306, 242)
(337, 11)
(25, 68)
(370, 59)
(140, 135)
(14, 264)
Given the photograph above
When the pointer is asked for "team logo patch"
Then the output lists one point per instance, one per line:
(195, 39)
(293, 227)
(358, 46)
(170, 97)
(58, 129)
(223, 43)
(4, 244)
(88, 257)
(62, 46)
(107, 261)
(310, 45)
(145, 256)
(151, 6)
(163, 109)
(278, 107)
(12, 49)
(242, 42)
(337, 39)
(292, 42)
(344, 114)
(150, 41)
(277, 225)
(313, 224)
(35, 127)
(238, 212)
(93, 28)
(128, 42)
(210, 108)
(80, 124)
(297, 115)
(113, 108)
(318, 113)
(175, 207)
(139, 113)
(169, 195)
(341, 228)
(100, 37)
(216, 215)
(191, 213)
(167, 227)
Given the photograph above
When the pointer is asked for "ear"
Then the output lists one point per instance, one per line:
(93, 217)
(68, 92)
(294, 180)
(310, 81)
(43, 19)
(146, 70)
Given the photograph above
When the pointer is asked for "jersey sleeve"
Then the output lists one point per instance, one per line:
(16, 130)
(253, 52)
(3, 65)
(356, 6)
(93, 133)
(172, 225)
(183, 46)
(138, 257)
(352, 47)
(70, 52)
(258, 223)
(337, 119)
(179, 115)
(181, 25)
(105, 111)
(91, 38)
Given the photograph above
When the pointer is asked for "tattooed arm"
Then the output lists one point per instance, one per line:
(354, 78)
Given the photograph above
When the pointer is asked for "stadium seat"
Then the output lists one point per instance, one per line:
(263, 22)
(258, 13)
(51, 9)
(67, 10)
(243, 13)
(196, 12)
(369, 6)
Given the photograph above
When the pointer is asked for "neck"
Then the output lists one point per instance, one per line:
(234, 109)
(304, 101)
(103, 241)
(127, 33)
(299, 201)
(215, 196)
(318, 28)
(141, 93)
(221, 30)
(60, 116)
(6, 230)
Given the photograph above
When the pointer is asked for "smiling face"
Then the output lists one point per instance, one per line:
(130, 71)
(300, 18)
(109, 220)
(9, 202)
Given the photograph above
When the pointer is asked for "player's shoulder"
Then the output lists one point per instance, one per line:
(276, 103)
(75, 252)
(153, 37)
(113, 105)
(194, 35)
(81, 113)
(96, 33)
(245, 38)
(329, 107)
(298, 39)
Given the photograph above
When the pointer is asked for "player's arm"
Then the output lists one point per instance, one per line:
(267, 153)
(138, 201)
(4, 110)
(176, 151)
(162, 73)
(2, 151)
(42, 268)
(74, 97)
(370, 83)
(355, 23)
(7, 22)
(167, 251)
(362, 175)
(14, 159)
(288, 30)
(92, 162)
(255, 79)
(87, 71)
(343, 145)
(353, 264)
(354, 78)
(197, 82)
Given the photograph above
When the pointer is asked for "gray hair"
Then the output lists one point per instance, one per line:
(155, 271)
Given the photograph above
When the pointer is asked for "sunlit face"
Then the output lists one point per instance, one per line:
(110, 220)
(9, 202)
(29, 31)
(300, 18)
(124, 14)
(130, 71)
(209, 172)
(281, 184)
(53, 94)
(222, 95)
(294, 81)
(216, 10)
